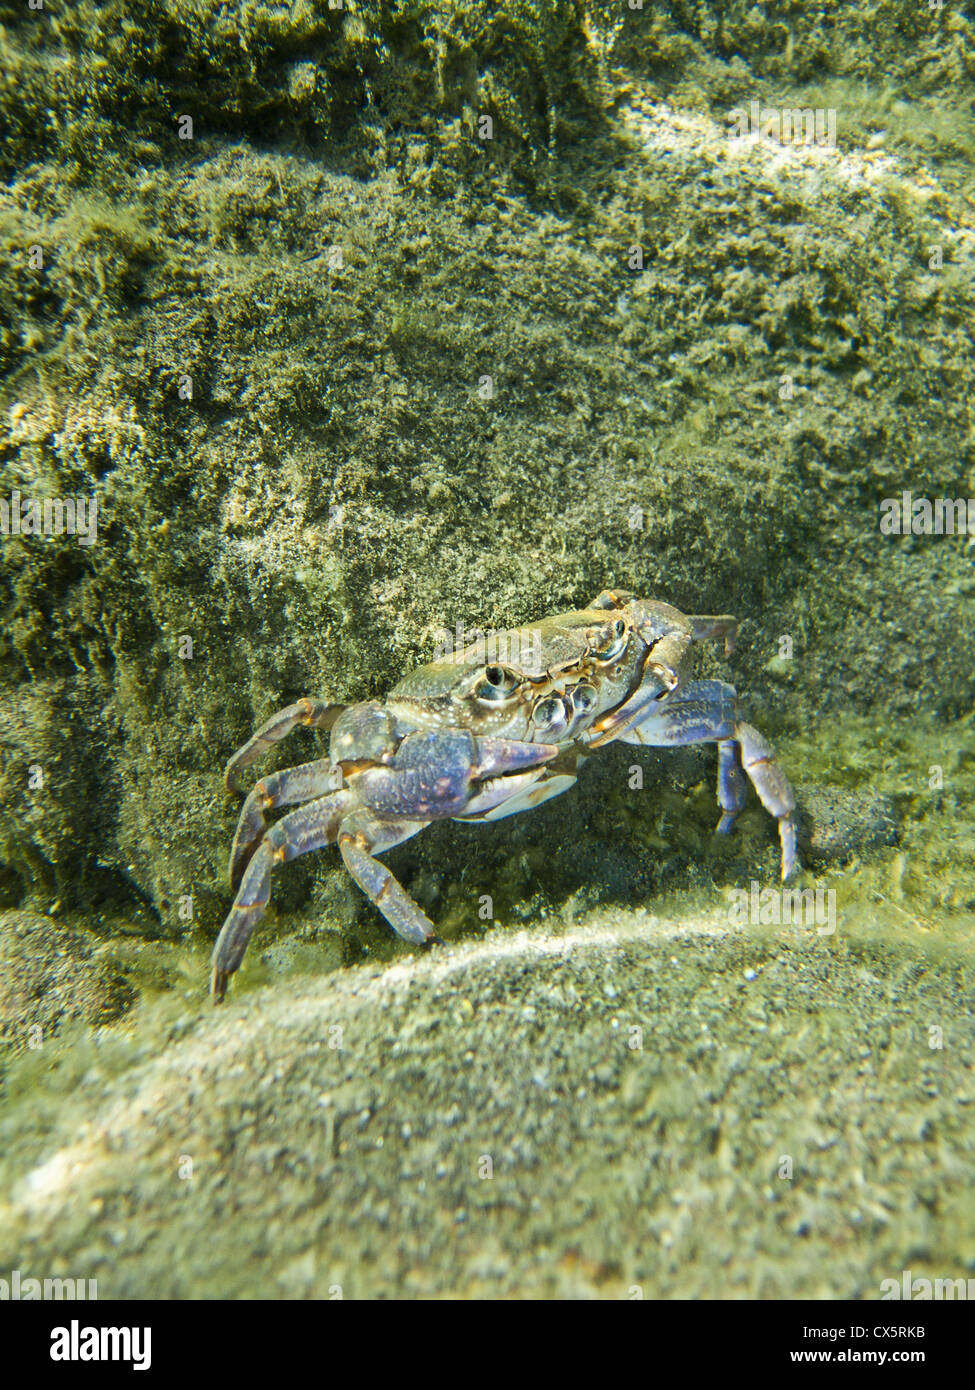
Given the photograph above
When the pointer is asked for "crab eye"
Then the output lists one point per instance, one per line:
(496, 684)
(614, 645)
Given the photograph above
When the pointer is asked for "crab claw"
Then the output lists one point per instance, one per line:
(437, 772)
(497, 756)
(657, 681)
(508, 776)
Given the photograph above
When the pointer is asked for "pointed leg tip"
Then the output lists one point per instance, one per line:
(790, 862)
(790, 859)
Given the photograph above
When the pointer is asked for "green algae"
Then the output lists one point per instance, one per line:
(338, 438)
(391, 468)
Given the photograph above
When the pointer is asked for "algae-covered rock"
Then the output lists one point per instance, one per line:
(50, 975)
(341, 364)
(836, 823)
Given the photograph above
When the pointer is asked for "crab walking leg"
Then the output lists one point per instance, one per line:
(404, 915)
(732, 787)
(299, 832)
(706, 627)
(772, 785)
(303, 783)
(706, 712)
(311, 714)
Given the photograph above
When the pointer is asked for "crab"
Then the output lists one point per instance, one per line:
(478, 735)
